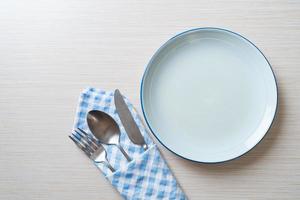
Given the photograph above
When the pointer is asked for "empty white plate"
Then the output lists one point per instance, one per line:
(209, 95)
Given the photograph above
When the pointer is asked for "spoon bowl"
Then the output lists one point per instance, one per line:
(105, 129)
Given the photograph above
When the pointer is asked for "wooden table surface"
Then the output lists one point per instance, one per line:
(51, 50)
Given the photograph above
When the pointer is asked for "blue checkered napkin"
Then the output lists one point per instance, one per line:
(147, 176)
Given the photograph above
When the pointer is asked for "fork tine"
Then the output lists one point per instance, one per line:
(80, 146)
(82, 131)
(88, 153)
(84, 141)
(80, 134)
(91, 139)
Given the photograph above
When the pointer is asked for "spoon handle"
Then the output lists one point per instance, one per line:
(124, 153)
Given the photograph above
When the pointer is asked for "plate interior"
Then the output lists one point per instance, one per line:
(209, 95)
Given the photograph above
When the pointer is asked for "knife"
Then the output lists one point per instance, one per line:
(128, 122)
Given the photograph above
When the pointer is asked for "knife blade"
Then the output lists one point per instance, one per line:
(127, 120)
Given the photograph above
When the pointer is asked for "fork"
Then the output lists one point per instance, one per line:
(91, 147)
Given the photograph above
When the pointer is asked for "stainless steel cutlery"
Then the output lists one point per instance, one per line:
(91, 147)
(105, 129)
(127, 120)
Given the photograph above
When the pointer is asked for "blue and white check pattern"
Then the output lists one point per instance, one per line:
(147, 176)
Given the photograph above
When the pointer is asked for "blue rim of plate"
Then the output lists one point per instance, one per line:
(207, 28)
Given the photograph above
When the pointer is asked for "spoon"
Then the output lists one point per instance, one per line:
(105, 129)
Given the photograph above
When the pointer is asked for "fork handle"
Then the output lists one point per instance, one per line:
(124, 153)
(109, 166)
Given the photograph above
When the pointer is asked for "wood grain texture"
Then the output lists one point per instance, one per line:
(51, 50)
